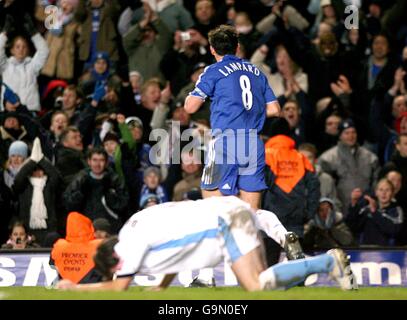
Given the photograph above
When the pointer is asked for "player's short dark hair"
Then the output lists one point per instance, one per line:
(97, 150)
(224, 40)
(104, 258)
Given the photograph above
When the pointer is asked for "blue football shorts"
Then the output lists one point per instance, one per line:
(234, 162)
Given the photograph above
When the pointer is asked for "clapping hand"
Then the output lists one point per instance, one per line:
(36, 153)
(372, 203)
(341, 86)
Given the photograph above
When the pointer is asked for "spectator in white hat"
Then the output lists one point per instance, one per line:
(17, 153)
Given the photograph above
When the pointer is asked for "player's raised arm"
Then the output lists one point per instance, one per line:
(193, 103)
(273, 109)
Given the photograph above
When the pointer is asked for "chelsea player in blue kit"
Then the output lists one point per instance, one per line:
(240, 101)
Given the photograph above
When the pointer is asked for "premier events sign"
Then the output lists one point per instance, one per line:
(372, 268)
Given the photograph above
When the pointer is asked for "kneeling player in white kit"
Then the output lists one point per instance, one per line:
(191, 235)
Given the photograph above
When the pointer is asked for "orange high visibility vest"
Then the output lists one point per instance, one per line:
(73, 256)
(287, 164)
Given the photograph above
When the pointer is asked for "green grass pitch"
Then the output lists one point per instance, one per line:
(220, 293)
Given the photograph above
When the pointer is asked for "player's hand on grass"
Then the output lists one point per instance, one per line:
(65, 285)
(155, 289)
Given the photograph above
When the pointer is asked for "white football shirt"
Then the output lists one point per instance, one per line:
(189, 235)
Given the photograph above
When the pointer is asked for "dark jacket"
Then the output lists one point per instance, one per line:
(329, 233)
(399, 163)
(6, 211)
(380, 126)
(293, 187)
(365, 91)
(321, 70)
(98, 198)
(24, 191)
(69, 162)
(375, 228)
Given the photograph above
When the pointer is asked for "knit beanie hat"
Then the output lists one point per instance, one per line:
(18, 148)
(345, 124)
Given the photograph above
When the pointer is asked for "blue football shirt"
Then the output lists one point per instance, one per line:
(239, 92)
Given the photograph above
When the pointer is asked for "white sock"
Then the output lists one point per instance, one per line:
(271, 225)
(267, 279)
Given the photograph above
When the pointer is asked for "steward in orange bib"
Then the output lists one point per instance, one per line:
(73, 256)
(293, 187)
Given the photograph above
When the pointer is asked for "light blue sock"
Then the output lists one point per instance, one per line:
(291, 273)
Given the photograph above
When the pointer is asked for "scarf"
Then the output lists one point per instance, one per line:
(10, 175)
(38, 211)
(100, 78)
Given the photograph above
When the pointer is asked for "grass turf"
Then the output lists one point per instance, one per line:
(220, 293)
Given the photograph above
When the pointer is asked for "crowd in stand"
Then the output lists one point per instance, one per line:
(88, 88)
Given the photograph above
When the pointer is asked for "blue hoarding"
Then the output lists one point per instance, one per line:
(371, 267)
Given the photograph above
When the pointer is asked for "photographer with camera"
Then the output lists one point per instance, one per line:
(19, 239)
